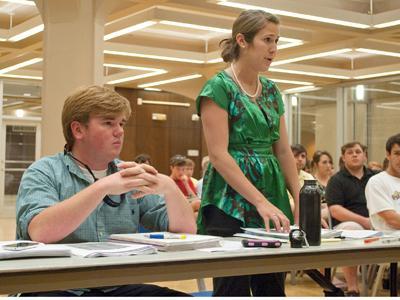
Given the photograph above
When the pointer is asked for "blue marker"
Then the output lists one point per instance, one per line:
(166, 236)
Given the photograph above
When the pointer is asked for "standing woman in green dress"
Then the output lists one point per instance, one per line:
(251, 161)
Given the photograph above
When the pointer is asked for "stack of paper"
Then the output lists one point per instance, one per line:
(41, 250)
(360, 234)
(189, 242)
(97, 249)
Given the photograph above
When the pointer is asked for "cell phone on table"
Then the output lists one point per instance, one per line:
(18, 246)
(261, 243)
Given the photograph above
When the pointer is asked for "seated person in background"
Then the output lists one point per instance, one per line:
(322, 163)
(375, 166)
(177, 165)
(189, 169)
(204, 164)
(383, 191)
(300, 156)
(85, 194)
(346, 200)
(143, 158)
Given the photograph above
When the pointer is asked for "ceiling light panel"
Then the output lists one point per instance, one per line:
(129, 29)
(27, 33)
(22, 2)
(378, 52)
(388, 24)
(160, 57)
(308, 73)
(21, 65)
(301, 89)
(128, 67)
(176, 79)
(302, 16)
(21, 76)
(136, 77)
(377, 75)
(311, 56)
(290, 81)
(195, 26)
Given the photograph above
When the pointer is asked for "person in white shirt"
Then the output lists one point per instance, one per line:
(383, 191)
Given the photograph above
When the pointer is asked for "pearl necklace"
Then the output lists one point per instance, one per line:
(241, 87)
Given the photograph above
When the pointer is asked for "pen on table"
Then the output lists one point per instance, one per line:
(165, 236)
(371, 240)
(330, 240)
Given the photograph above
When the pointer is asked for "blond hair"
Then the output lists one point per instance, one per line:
(91, 101)
(248, 23)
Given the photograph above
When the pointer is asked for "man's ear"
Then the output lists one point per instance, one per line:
(77, 130)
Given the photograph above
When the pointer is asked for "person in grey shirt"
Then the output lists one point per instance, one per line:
(85, 193)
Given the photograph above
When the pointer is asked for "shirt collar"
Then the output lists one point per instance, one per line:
(73, 167)
(366, 172)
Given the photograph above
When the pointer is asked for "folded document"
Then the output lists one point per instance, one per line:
(98, 249)
(40, 250)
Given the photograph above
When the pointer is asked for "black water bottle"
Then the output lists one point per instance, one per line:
(310, 212)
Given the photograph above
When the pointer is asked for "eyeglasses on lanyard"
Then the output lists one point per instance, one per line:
(107, 198)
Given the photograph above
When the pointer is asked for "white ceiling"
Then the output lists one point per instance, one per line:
(312, 53)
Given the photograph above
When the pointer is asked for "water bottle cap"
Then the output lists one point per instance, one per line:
(310, 181)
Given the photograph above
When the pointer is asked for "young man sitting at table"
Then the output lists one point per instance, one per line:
(383, 191)
(85, 193)
(345, 195)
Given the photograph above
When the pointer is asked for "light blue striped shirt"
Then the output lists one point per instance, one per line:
(53, 179)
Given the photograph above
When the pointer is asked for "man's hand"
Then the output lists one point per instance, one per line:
(324, 224)
(366, 223)
(135, 176)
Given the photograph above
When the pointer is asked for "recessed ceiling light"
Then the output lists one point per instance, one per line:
(378, 52)
(182, 78)
(290, 81)
(136, 77)
(27, 33)
(23, 2)
(308, 73)
(20, 113)
(311, 56)
(301, 89)
(170, 58)
(129, 67)
(195, 26)
(21, 65)
(387, 24)
(377, 75)
(129, 30)
(21, 76)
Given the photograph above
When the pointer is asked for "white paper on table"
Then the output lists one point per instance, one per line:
(360, 234)
(227, 246)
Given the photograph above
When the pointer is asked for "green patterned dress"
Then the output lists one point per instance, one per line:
(253, 129)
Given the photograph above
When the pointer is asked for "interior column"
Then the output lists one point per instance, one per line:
(73, 57)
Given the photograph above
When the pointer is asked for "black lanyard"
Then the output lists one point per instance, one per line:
(107, 198)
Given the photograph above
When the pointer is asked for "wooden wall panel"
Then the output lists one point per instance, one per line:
(161, 139)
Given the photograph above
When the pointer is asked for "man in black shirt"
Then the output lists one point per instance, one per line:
(345, 195)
